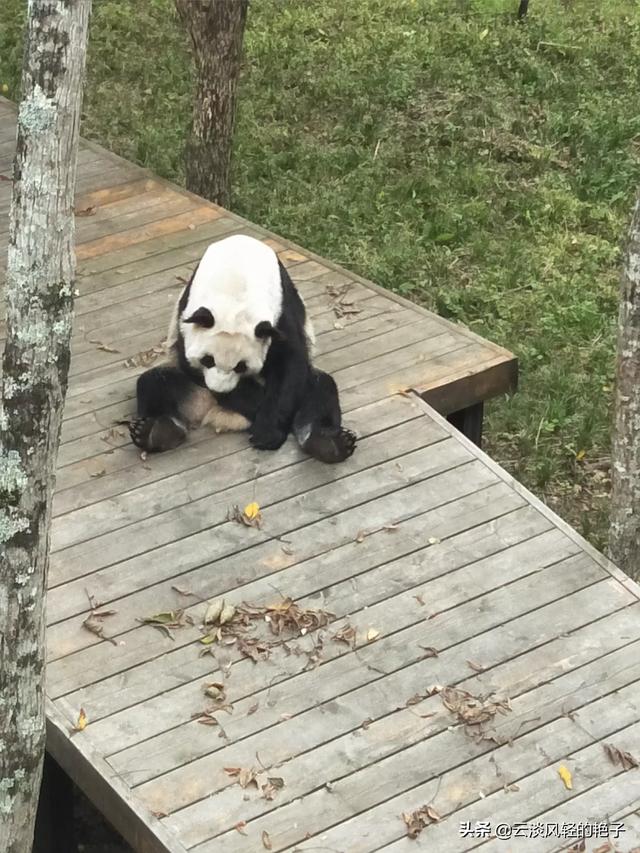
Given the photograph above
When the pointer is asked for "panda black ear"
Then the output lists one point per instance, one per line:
(265, 330)
(201, 317)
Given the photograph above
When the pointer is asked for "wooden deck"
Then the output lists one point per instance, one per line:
(452, 577)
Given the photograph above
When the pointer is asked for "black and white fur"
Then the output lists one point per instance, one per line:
(240, 342)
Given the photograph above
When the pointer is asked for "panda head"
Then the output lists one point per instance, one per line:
(223, 357)
(229, 317)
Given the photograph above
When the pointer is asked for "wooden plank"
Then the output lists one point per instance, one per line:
(197, 822)
(112, 798)
(598, 786)
(366, 792)
(170, 225)
(513, 677)
(160, 754)
(220, 537)
(182, 666)
(71, 673)
(195, 486)
(612, 569)
(301, 582)
(486, 775)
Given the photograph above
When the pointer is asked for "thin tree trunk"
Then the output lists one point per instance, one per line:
(624, 532)
(523, 9)
(39, 295)
(216, 30)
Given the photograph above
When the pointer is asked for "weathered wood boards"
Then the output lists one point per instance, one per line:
(450, 574)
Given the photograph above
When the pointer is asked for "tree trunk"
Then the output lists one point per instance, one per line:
(39, 295)
(624, 532)
(523, 9)
(216, 30)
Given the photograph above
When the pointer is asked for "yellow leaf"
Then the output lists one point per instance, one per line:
(372, 634)
(5, 88)
(82, 721)
(565, 775)
(581, 454)
(483, 34)
(252, 510)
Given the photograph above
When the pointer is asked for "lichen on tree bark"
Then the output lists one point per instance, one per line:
(624, 532)
(39, 302)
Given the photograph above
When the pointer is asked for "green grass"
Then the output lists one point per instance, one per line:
(483, 168)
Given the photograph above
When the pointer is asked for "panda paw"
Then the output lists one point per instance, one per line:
(155, 435)
(345, 443)
(329, 446)
(267, 439)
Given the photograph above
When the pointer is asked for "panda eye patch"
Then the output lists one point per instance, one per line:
(208, 361)
(241, 367)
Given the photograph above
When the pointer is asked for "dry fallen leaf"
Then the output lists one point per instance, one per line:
(237, 514)
(145, 357)
(477, 667)
(372, 635)
(429, 651)
(240, 826)
(165, 621)
(346, 635)
(226, 614)
(433, 540)
(81, 722)
(266, 841)
(565, 774)
(360, 537)
(416, 821)
(244, 776)
(213, 612)
(251, 510)
(272, 786)
(206, 718)
(87, 211)
(106, 348)
(93, 623)
(618, 756)
(253, 709)
(100, 472)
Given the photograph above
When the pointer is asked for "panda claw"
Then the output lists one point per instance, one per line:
(155, 435)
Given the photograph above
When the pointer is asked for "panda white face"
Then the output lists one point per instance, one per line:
(224, 357)
(233, 305)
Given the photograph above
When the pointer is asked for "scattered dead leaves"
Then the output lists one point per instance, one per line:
(167, 621)
(419, 819)
(620, 757)
(145, 357)
(342, 307)
(473, 712)
(244, 776)
(288, 617)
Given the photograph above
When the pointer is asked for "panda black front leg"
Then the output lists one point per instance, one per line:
(160, 392)
(286, 376)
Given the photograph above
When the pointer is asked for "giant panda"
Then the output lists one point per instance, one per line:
(240, 358)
